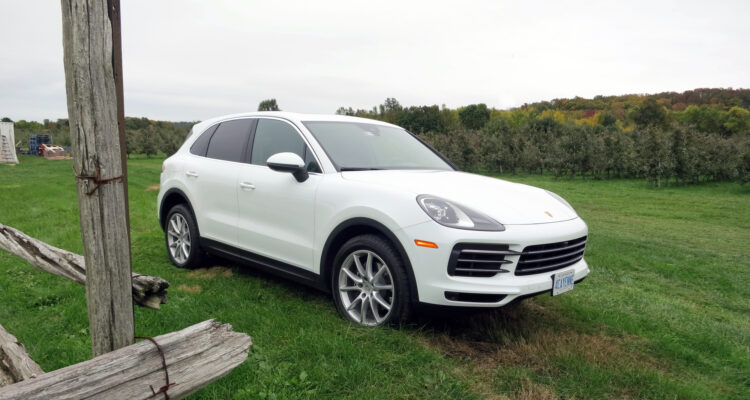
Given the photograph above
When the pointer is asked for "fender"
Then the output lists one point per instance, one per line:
(325, 267)
(162, 211)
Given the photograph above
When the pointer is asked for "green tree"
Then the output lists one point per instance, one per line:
(736, 120)
(389, 110)
(743, 170)
(519, 117)
(474, 116)
(703, 118)
(649, 113)
(686, 154)
(449, 119)
(345, 111)
(170, 143)
(500, 145)
(133, 142)
(619, 153)
(268, 105)
(656, 156)
(420, 119)
(6, 119)
(722, 158)
(606, 119)
(148, 142)
(390, 104)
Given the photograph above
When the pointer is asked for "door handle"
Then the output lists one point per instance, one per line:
(247, 186)
(191, 174)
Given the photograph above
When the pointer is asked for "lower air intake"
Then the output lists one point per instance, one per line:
(480, 260)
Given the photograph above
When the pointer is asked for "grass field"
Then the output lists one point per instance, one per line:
(664, 314)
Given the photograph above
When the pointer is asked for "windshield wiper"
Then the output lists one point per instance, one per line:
(344, 169)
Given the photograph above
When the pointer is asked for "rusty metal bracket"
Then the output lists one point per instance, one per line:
(97, 179)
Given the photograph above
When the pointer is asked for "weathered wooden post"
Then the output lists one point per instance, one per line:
(192, 357)
(91, 86)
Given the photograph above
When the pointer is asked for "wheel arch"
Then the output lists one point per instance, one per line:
(171, 198)
(355, 227)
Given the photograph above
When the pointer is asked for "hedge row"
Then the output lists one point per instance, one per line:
(678, 154)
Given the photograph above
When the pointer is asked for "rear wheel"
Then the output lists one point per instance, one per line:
(181, 236)
(369, 282)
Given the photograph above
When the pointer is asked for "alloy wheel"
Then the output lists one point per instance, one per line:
(366, 288)
(178, 238)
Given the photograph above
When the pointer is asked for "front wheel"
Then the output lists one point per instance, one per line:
(369, 283)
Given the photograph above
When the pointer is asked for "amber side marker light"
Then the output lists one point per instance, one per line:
(423, 243)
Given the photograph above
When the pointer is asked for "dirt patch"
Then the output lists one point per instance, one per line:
(535, 391)
(532, 337)
(152, 188)
(481, 383)
(210, 273)
(542, 349)
(190, 289)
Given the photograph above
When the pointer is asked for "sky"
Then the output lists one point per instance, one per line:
(189, 60)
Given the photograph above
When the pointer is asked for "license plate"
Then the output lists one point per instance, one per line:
(562, 282)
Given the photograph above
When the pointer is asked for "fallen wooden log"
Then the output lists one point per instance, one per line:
(148, 291)
(194, 357)
(15, 363)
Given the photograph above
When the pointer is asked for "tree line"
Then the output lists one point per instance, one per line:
(149, 137)
(637, 138)
(676, 154)
(144, 136)
(690, 137)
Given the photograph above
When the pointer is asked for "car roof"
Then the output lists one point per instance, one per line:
(291, 116)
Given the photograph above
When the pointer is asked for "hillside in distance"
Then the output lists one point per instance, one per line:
(719, 98)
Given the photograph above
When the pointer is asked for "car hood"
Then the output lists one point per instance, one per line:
(507, 202)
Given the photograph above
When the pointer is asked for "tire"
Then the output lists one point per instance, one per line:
(182, 239)
(374, 296)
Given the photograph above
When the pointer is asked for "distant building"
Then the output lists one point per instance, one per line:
(7, 143)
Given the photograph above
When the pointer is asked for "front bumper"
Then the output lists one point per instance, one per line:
(430, 266)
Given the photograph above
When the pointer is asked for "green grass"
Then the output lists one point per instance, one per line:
(664, 314)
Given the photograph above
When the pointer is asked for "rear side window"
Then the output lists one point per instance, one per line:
(200, 146)
(274, 136)
(229, 140)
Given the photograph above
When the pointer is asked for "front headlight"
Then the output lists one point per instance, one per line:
(453, 215)
(561, 200)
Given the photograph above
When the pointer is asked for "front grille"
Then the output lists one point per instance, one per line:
(480, 260)
(548, 257)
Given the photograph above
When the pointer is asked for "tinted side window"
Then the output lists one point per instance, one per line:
(274, 136)
(200, 146)
(229, 140)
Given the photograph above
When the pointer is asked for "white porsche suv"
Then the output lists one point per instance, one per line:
(365, 210)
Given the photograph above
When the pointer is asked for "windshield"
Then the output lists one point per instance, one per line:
(356, 146)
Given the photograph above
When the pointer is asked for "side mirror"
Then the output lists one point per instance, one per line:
(288, 162)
